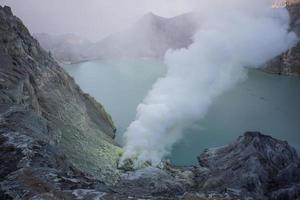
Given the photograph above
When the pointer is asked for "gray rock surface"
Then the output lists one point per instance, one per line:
(41, 104)
(256, 166)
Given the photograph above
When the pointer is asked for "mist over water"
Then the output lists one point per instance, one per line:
(264, 102)
(233, 34)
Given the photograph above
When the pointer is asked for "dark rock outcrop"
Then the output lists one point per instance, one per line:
(256, 166)
(289, 62)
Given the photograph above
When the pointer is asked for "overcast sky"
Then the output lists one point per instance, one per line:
(91, 19)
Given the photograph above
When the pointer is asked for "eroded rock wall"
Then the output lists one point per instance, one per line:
(40, 104)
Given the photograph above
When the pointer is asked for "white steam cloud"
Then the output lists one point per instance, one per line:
(234, 34)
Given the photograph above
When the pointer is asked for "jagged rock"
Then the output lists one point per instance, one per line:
(161, 182)
(295, 18)
(256, 166)
(285, 64)
(151, 181)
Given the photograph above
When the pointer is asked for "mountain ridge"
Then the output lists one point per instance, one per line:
(149, 37)
(152, 35)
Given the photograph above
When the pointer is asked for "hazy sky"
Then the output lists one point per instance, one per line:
(92, 19)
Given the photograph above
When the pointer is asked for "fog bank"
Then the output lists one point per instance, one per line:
(91, 19)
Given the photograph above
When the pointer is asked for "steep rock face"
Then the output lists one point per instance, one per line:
(254, 167)
(289, 62)
(45, 118)
(295, 17)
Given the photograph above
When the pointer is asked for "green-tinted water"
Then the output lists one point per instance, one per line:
(266, 103)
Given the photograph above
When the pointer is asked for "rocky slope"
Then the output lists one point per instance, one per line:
(42, 109)
(57, 143)
(289, 62)
(66, 48)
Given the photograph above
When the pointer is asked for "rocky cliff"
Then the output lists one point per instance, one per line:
(57, 143)
(44, 115)
(289, 62)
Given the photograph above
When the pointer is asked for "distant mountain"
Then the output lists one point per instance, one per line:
(149, 37)
(67, 48)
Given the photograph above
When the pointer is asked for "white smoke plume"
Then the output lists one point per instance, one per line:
(234, 34)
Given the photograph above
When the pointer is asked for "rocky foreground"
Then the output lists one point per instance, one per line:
(255, 166)
(57, 143)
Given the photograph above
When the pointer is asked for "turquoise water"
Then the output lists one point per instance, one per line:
(264, 102)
